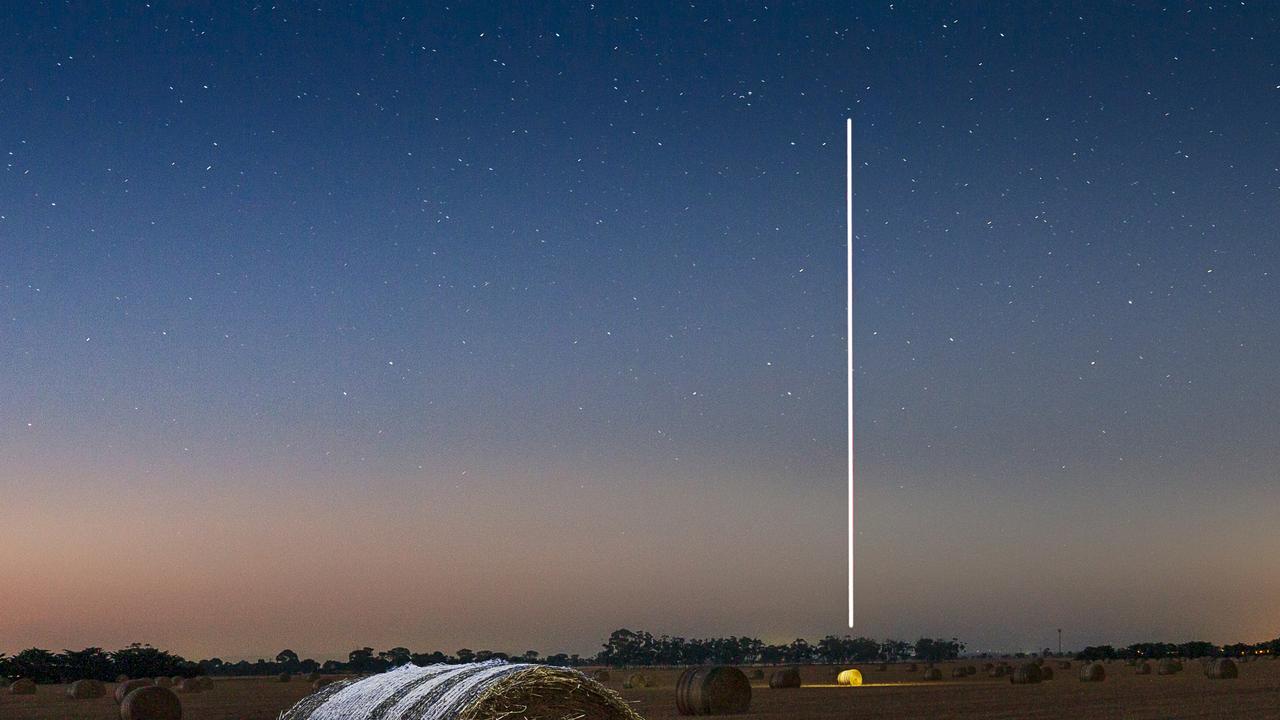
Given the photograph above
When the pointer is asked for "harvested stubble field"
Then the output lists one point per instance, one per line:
(895, 694)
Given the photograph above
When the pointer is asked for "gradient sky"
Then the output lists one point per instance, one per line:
(324, 326)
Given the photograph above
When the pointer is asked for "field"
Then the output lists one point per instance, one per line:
(893, 694)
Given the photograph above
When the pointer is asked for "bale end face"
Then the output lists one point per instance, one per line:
(1028, 674)
(789, 678)
(851, 677)
(932, 674)
(719, 690)
(151, 702)
(1093, 672)
(129, 686)
(1222, 669)
(86, 690)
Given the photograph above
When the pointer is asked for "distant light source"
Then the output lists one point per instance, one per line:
(852, 678)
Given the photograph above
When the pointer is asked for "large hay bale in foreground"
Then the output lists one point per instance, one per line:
(1222, 669)
(1093, 672)
(129, 686)
(1168, 666)
(151, 702)
(470, 691)
(851, 677)
(788, 678)
(1026, 674)
(932, 674)
(86, 690)
(720, 690)
(22, 686)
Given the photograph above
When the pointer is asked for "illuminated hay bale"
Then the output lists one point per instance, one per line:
(86, 690)
(23, 686)
(1222, 669)
(1093, 672)
(852, 678)
(472, 691)
(129, 686)
(1046, 673)
(932, 674)
(151, 702)
(1026, 674)
(1168, 666)
(166, 682)
(600, 675)
(789, 678)
(1142, 668)
(720, 690)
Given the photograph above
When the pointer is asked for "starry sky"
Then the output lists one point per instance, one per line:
(450, 325)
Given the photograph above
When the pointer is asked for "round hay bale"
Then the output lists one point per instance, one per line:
(190, 685)
(1168, 666)
(1143, 668)
(1046, 673)
(788, 678)
(151, 702)
(129, 686)
(22, 686)
(852, 678)
(1222, 669)
(1026, 674)
(1093, 672)
(491, 689)
(634, 680)
(284, 677)
(164, 681)
(122, 678)
(932, 674)
(600, 675)
(86, 690)
(717, 690)
(959, 673)
(757, 674)
(996, 671)
(1064, 664)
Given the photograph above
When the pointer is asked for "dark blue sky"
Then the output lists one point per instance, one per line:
(561, 290)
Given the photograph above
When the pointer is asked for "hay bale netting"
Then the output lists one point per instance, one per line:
(1025, 674)
(1142, 668)
(86, 690)
(470, 691)
(129, 686)
(932, 674)
(1168, 666)
(719, 690)
(600, 675)
(151, 702)
(22, 686)
(1093, 672)
(164, 681)
(788, 678)
(1046, 673)
(1222, 669)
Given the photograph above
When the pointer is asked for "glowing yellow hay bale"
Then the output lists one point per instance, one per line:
(851, 677)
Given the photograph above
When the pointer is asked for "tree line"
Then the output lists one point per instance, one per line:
(1193, 649)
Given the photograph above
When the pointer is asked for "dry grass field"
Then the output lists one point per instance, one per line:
(895, 694)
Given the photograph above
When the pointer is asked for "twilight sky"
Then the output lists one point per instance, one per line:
(323, 326)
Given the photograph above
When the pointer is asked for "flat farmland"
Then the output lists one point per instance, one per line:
(895, 693)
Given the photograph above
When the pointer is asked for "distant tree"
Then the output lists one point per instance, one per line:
(36, 664)
(395, 657)
(937, 650)
(465, 655)
(139, 660)
(91, 663)
(288, 660)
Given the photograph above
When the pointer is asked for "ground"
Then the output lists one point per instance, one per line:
(895, 694)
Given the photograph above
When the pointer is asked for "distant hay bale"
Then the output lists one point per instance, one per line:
(719, 690)
(638, 680)
(129, 686)
(986, 667)
(1064, 664)
(912, 667)
(851, 677)
(600, 675)
(22, 686)
(1093, 672)
(996, 671)
(1222, 669)
(959, 673)
(469, 691)
(151, 702)
(1046, 673)
(1168, 666)
(1142, 668)
(788, 678)
(1025, 674)
(190, 685)
(313, 676)
(164, 681)
(757, 674)
(86, 690)
(206, 682)
(932, 674)
(284, 677)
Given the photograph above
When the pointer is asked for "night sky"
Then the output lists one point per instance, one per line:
(331, 326)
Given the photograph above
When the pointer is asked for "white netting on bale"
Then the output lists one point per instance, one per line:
(465, 692)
